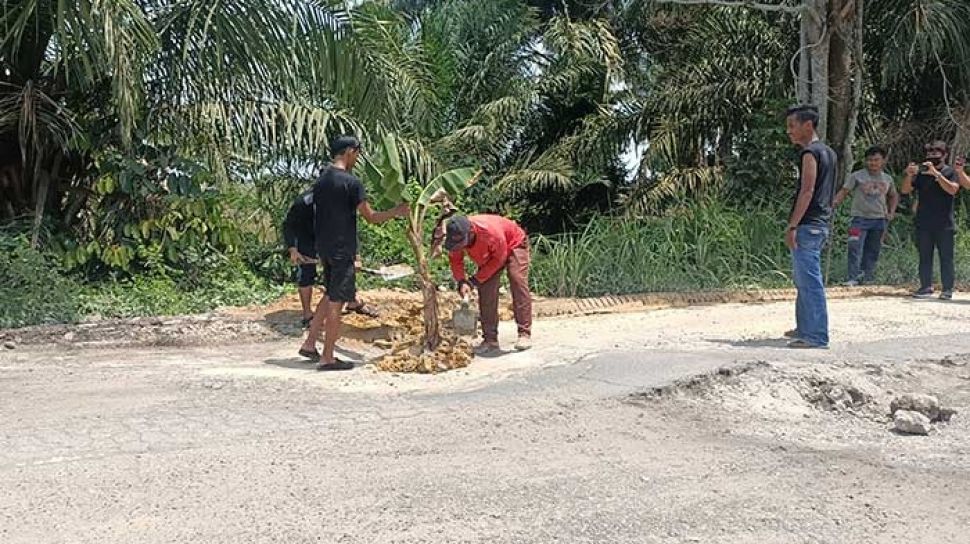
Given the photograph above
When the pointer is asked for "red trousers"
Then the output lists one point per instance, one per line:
(517, 269)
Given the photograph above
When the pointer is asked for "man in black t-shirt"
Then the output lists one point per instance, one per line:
(301, 245)
(936, 186)
(338, 195)
(808, 227)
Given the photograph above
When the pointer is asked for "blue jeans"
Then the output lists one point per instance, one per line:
(811, 312)
(865, 243)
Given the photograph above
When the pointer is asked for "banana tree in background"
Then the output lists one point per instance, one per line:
(393, 181)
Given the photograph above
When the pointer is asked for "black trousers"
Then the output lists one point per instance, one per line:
(940, 241)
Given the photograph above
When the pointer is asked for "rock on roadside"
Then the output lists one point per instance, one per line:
(928, 405)
(910, 422)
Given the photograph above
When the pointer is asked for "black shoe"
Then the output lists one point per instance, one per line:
(306, 322)
(925, 292)
(337, 364)
(313, 355)
(946, 295)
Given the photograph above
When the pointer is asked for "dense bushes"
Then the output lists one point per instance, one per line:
(32, 287)
(36, 289)
(230, 283)
(706, 245)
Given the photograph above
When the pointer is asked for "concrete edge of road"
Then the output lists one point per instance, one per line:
(655, 301)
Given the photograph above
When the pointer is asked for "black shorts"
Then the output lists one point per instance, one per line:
(305, 275)
(340, 279)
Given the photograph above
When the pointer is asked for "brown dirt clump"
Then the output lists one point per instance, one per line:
(405, 347)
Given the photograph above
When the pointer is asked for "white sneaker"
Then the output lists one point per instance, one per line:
(524, 343)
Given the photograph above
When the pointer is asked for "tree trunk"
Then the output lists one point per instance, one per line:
(819, 36)
(961, 143)
(842, 15)
(429, 291)
(858, 37)
(803, 87)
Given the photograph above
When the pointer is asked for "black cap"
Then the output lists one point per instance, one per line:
(343, 143)
(456, 237)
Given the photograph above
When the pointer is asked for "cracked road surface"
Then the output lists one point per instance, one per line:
(245, 443)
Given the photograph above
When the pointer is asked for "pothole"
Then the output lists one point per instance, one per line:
(702, 385)
(831, 395)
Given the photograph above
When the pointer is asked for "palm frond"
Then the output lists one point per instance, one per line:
(39, 120)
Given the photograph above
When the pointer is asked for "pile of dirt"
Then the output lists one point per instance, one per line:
(399, 330)
(404, 347)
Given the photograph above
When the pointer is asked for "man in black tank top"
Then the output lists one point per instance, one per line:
(808, 227)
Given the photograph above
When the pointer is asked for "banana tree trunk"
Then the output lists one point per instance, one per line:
(429, 291)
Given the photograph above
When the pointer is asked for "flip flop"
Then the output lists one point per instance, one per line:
(363, 309)
(313, 355)
(337, 364)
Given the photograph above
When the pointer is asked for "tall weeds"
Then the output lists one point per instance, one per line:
(702, 246)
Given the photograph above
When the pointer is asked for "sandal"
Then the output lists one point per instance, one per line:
(363, 309)
(337, 364)
(313, 355)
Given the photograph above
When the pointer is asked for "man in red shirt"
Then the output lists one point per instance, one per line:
(493, 243)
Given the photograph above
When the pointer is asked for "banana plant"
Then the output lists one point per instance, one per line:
(385, 176)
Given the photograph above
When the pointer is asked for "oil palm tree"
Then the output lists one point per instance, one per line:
(226, 80)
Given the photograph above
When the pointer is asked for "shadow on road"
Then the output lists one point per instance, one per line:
(777, 343)
(294, 363)
(285, 322)
(937, 300)
(302, 363)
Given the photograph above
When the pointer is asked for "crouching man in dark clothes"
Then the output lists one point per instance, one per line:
(300, 239)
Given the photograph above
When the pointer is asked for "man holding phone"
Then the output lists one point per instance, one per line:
(936, 186)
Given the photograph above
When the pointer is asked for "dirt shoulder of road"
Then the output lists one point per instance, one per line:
(281, 319)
